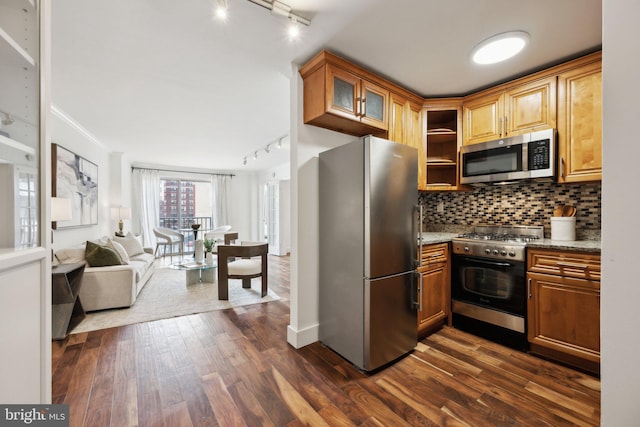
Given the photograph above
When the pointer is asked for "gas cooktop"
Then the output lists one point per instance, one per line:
(494, 241)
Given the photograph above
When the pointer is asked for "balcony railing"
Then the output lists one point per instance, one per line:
(183, 225)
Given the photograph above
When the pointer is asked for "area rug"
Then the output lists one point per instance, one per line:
(167, 295)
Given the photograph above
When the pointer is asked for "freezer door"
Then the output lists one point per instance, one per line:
(390, 319)
(391, 194)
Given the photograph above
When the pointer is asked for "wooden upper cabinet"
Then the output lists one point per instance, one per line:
(405, 127)
(343, 97)
(482, 117)
(351, 97)
(397, 118)
(580, 124)
(415, 139)
(510, 110)
(530, 107)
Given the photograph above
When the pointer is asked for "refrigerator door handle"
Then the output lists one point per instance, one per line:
(418, 304)
(418, 261)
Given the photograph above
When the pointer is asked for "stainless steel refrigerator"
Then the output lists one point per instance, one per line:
(368, 251)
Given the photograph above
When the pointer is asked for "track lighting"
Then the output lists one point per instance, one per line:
(267, 149)
(280, 9)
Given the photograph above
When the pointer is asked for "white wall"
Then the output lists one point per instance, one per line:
(306, 143)
(65, 134)
(282, 175)
(244, 212)
(620, 294)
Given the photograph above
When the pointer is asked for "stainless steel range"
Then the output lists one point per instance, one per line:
(488, 282)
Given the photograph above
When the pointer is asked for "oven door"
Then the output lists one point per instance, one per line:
(497, 284)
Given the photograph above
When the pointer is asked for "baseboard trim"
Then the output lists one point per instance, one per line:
(302, 337)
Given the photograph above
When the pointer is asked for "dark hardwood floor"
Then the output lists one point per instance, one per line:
(234, 367)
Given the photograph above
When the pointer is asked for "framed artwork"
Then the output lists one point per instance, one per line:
(75, 178)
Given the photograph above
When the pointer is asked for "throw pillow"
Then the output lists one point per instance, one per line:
(101, 256)
(130, 244)
(120, 250)
(138, 237)
(71, 255)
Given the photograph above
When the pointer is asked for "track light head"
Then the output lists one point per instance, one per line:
(244, 162)
(267, 149)
(255, 155)
(294, 28)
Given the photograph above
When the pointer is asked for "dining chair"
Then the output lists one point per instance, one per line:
(245, 261)
(217, 233)
(168, 237)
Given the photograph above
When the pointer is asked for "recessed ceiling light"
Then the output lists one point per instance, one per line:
(499, 47)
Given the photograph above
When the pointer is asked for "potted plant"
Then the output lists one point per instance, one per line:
(208, 247)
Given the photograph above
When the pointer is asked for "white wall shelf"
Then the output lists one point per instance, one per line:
(12, 54)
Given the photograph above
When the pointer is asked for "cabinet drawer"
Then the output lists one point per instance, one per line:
(432, 254)
(564, 263)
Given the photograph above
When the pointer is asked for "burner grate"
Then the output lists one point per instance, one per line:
(515, 234)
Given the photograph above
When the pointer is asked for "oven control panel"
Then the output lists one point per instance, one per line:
(492, 250)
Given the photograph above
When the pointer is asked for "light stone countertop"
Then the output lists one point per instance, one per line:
(569, 245)
(572, 245)
(429, 237)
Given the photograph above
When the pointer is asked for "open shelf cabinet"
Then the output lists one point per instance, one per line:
(443, 140)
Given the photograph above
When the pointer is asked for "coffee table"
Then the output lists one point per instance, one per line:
(197, 272)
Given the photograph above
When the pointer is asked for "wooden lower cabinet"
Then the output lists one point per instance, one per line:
(435, 288)
(564, 308)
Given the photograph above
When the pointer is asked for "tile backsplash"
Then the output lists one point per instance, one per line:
(521, 203)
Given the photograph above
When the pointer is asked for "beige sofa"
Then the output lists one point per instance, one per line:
(112, 286)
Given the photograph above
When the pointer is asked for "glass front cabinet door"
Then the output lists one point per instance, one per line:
(357, 99)
(19, 124)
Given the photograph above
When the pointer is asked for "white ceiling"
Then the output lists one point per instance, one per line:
(166, 83)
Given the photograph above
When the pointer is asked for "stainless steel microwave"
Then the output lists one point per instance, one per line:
(532, 155)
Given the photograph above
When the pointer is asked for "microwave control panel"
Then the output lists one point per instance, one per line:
(539, 154)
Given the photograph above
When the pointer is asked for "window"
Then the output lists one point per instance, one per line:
(185, 202)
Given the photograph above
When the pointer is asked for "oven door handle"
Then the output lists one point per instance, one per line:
(498, 264)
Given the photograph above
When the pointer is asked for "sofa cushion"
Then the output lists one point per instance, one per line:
(124, 256)
(70, 255)
(130, 244)
(101, 256)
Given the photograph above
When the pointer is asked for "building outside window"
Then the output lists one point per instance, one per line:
(183, 203)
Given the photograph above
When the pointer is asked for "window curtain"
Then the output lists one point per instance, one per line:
(146, 203)
(221, 188)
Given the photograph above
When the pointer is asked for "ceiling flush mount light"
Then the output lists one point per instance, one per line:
(221, 9)
(499, 47)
